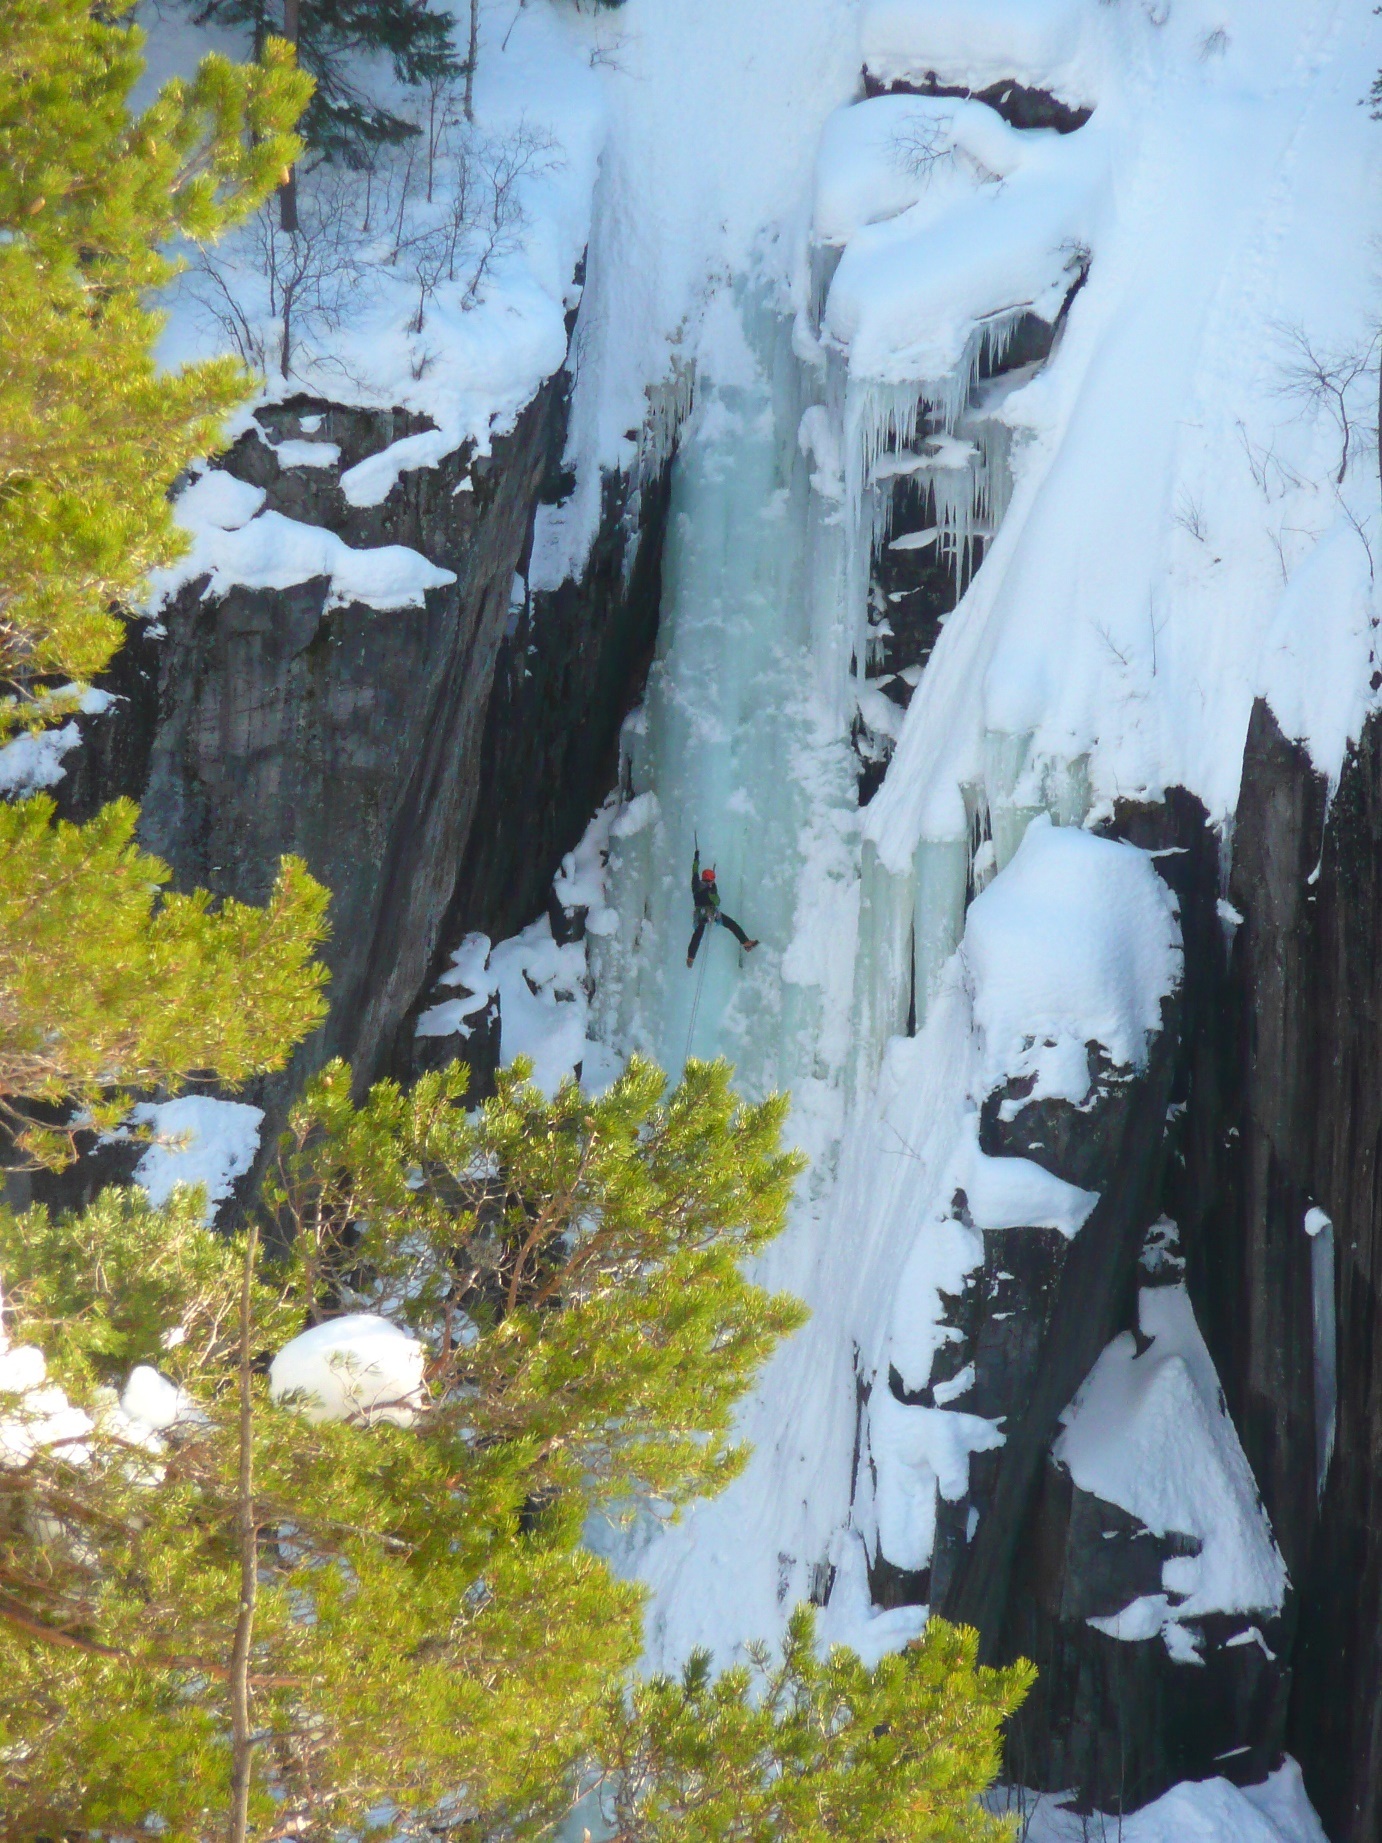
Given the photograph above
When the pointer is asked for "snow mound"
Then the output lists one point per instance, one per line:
(236, 545)
(1075, 941)
(886, 155)
(1038, 43)
(1000, 226)
(1204, 1811)
(357, 1368)
(197, 1140)
(1018, 1193)
(33, 1411)
(1151, 1434)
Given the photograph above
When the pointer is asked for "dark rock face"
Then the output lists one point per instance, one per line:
(1047, 1306)
(1276, 1108)
(348, 735)
(1020, 105)
(571, 666)
(1307, 1130)
(431, 763)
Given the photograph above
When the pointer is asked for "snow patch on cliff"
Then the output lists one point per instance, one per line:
(1076, 942)
(1204, 1811)
(197, 1139)
(235, 545)
(1149, 1431)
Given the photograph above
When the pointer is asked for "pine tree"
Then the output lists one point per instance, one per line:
(92, 434)
(803, 1749)
(106, 982)
(427, 1631)
(111, 982)
(334, 37)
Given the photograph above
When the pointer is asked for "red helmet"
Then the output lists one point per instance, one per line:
(707, 876)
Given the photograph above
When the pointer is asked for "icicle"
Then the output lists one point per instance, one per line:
(669, 405)
(1011, 811)
(883, 965)
(942, 875)
(880, 418)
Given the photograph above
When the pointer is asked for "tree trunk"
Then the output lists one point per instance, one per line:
(247, 1541)
(288, 191)
(471, 59)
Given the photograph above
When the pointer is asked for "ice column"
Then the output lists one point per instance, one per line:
(734, 728)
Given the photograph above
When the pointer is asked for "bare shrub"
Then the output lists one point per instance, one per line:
(1323, 378)
(306, 276)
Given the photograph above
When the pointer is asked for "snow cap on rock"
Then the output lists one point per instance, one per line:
(1075, 941)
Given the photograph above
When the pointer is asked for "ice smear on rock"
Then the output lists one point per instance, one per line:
(1150, 1433)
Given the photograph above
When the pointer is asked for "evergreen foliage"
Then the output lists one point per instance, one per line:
(106, 981)
(91, 433)
(343, 122)
(803, 1749)
(109, 982)
(426, 1619)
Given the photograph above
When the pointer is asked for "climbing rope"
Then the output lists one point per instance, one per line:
(703, 956)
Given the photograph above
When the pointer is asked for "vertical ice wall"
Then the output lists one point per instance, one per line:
(734, 746)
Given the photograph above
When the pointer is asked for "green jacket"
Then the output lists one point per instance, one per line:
(705, 895)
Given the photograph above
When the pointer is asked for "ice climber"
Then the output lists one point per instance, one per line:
(707, 900)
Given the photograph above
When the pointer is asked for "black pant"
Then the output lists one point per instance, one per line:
(704, 918)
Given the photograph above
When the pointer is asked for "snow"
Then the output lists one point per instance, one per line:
(920, 1453)
(1015, 1193)
(1077, 941)
(153, 1401)
(1206, 1811)
(542, 987)
(1176, 543)
(712, 123)
(474, 364)
(234, 544)
(197, 1140)
(1033, 42)
(33, 1411)
(357, 1368)
(999, 225)
(306, 454)
(469, 969)
(1151, 1433)
(32, 762)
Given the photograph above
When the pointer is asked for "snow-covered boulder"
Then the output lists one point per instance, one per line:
(357, 1368)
